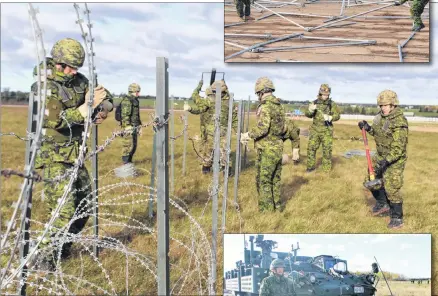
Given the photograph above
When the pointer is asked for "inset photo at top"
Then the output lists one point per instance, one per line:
(339, 31)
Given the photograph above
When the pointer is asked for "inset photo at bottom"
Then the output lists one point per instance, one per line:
(327, 264)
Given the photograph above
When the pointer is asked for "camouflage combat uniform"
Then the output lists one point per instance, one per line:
(243, 8)
(267, 135)
(321, 131)
(204, 117)
(130, 115)
(391, 135)
(207, 107)
(62, 129)
(417, 8)
(276, 285)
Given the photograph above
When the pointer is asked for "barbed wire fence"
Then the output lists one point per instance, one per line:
(17, 270)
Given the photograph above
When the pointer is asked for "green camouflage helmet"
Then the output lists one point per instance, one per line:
(264, 83)
(133, 88)
(276, 264)
(325, 89)
(387, 97)
(220, 83)
(68, 51)
(208, 91)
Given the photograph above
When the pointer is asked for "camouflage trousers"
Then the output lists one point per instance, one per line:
(392, 178)
(417, 8)
(315, 140)
(77, 196)
(243, 7)
(268, 178)
(208, 152)
(129, 143)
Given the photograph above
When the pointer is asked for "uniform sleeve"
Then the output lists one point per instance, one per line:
(55, 117)
(195, 95)
(335, 113)
(201, 106)
(295, 137)
(263, 124)
(235, 119)
(265, 288)
(309, 114)
(400, 141)
(126, 110)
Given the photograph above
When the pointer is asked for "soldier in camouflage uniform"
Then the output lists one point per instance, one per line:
(66, 109)
(323, 111)
(292, 132)
(390, 131)
(417, 9)
(207, 107)
(268, 140)
(243, 8)
(204, 116)
(277, 284)
(130, 114)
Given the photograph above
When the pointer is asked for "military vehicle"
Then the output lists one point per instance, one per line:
(321, 275)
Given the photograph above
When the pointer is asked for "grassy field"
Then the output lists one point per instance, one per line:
(315, 203)
(403, 289)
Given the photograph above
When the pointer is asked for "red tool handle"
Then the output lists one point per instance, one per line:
(367, 152)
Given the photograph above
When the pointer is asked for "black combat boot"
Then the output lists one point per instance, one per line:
(205, 170)
(396, 215)
(417, 27)
(310, 170)
(382, 207)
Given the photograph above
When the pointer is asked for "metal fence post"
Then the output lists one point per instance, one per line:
(185, 141)
(153, 168)
(162, 112)
(215, 190)
(172, 146)
(237, 169)
(227, 168)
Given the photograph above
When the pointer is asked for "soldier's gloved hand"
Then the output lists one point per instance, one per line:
(312, 107)
(187, 107)
(364, 125)
(244, 138)
(383, 164)
(99, 96)
(295, 154)
(101, 116)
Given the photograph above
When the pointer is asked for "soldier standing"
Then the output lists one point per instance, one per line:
(277, 284)
(390, 131)
(267, 136)
(323, 111)
(205, 117)
(208, 107)
(417, 9)
(63, 125)
(130, 121)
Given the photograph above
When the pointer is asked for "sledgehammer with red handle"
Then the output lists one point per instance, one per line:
(373, 183)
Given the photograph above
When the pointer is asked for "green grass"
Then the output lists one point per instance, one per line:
(315, 203)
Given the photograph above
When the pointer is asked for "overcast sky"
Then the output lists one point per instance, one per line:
(407, 254)
(128, 38)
